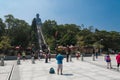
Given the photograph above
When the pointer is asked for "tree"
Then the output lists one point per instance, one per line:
(2, 28)
(20, 35)
(18, 31)
(9, 19)
(34, 34)
(5, 43)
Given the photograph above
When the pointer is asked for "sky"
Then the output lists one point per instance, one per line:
(102, 14)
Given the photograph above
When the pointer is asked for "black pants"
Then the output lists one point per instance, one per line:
(118, 64)
(67, 57)
(46, 60)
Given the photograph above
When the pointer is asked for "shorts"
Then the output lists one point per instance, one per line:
(60, 66)
(108, 60)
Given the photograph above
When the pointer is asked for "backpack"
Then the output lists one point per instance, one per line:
(52, 71)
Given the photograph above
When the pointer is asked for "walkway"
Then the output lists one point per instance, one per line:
(76, 70)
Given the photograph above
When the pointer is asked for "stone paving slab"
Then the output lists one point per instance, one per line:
(76, 70)
(101, 61)
(5, 70)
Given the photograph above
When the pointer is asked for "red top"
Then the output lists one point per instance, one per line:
(118, 58)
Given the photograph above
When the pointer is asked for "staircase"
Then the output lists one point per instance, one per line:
(41, 40)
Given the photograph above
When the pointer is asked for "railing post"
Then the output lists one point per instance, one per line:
(93, 56)
(33, 60)
(82, 57)
(2, 61)
(18, 60)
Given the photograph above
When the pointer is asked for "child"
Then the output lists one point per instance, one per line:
(108, 60)
(18, 55)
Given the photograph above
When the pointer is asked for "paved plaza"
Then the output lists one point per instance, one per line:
(75, 70)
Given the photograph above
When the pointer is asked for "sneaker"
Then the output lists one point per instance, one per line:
(111, 68)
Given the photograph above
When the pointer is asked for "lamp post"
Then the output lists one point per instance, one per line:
(93, 54)
(100, 46)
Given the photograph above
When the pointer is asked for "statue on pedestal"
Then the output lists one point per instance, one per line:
(38, 20)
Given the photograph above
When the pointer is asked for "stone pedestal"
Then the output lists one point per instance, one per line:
(33, 60)
(93, 56)
(82, 57)
(18, 61)
(2, 61)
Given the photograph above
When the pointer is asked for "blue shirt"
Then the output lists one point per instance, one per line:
(59, 59)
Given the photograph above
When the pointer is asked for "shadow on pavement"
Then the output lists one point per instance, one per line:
(68, 74)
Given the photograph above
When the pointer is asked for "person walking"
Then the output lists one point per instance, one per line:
(71, 52)
(59, 59)
(118, 61)
(49, 56)
(108, 60)
(46, 57)
(96, 52)
(67, 54)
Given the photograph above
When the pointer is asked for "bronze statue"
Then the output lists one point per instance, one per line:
(38, 20)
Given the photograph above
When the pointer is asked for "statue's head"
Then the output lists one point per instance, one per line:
(38, 20)
(37, 15)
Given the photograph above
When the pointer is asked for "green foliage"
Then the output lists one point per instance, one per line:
(18, 31)
(14, 32)
(59, 34)
(2, 28)
(5, 42)
(78, 35)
